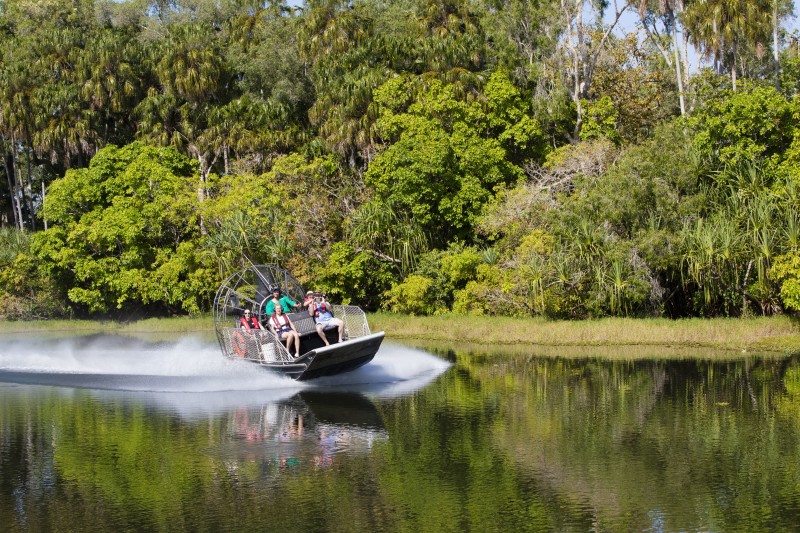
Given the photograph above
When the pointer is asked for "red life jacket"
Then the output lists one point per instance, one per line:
(251, 323)
(319, 308)
(281, 327)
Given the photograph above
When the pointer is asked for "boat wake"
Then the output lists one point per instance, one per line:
(191, 365)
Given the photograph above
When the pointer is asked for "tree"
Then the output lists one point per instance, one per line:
(636, 81)
(531, 28)
(109, 71)
(722, 29)
(581, 46)
(125, 233)
(444, 156)
(192, 79)
(734, 127)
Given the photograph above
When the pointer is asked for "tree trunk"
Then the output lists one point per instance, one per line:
(201, 189)
(775, 51)
(12, 195)
(29, 189)
(17, 184)
(678, 75)
(582, 60)
(44, 216)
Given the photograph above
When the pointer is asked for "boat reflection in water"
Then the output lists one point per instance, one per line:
(310, 429)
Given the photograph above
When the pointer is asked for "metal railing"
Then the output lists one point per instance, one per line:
(263, 347)
(255, 345)
(355, 320)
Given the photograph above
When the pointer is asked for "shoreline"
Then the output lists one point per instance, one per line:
(775, 335)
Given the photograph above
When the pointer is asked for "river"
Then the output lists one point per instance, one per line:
(112, 433)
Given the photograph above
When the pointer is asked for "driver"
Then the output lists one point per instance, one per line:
(278, 298)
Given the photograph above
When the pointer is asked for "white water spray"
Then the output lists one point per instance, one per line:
(189, 365)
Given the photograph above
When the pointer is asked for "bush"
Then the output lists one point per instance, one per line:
(786, 271)
(350, 276)
(413, 296)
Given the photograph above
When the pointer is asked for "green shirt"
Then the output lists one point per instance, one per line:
(286, 302)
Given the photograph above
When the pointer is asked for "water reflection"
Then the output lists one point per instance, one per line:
(653, 445)
(501, 442)
(310, 428)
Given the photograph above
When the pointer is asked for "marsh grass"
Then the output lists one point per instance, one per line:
(775, 334)
(689, 336)
(150, 325)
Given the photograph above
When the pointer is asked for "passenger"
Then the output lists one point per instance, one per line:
(279, 298)
(309, 300)
(320, 309)
(283, 327)
(249, 322)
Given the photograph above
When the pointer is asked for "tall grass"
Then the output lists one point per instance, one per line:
(150, 325)
(764, 334)
(759, 334)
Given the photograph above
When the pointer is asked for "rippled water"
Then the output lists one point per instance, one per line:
(112, 433)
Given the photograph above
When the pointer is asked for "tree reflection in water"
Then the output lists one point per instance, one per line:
(684, 443)
(512, 442)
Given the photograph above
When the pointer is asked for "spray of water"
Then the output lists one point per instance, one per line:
(188, 365)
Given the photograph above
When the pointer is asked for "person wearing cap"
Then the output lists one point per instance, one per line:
(321, 310)
(279, 298)
(309, 299)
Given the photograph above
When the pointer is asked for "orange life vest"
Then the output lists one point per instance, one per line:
(250, 323)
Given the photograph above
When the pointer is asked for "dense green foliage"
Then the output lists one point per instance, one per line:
(421, 156)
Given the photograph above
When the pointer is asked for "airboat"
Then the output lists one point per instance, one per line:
(250, 289)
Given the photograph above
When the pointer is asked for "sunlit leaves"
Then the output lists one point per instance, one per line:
(440, 169)
(123, 231)
(733, 127)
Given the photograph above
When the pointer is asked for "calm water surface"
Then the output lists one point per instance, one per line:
(118, 434)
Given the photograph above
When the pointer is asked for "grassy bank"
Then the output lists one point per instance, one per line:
(150, 325)
(774, 334)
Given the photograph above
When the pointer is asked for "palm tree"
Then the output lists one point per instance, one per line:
(109, 73)
(18, 83)
(377, 227)
(722, 28)
(191, 81)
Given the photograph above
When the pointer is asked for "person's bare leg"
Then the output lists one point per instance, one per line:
(321, 331)
(297, 343)
(288, 344)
